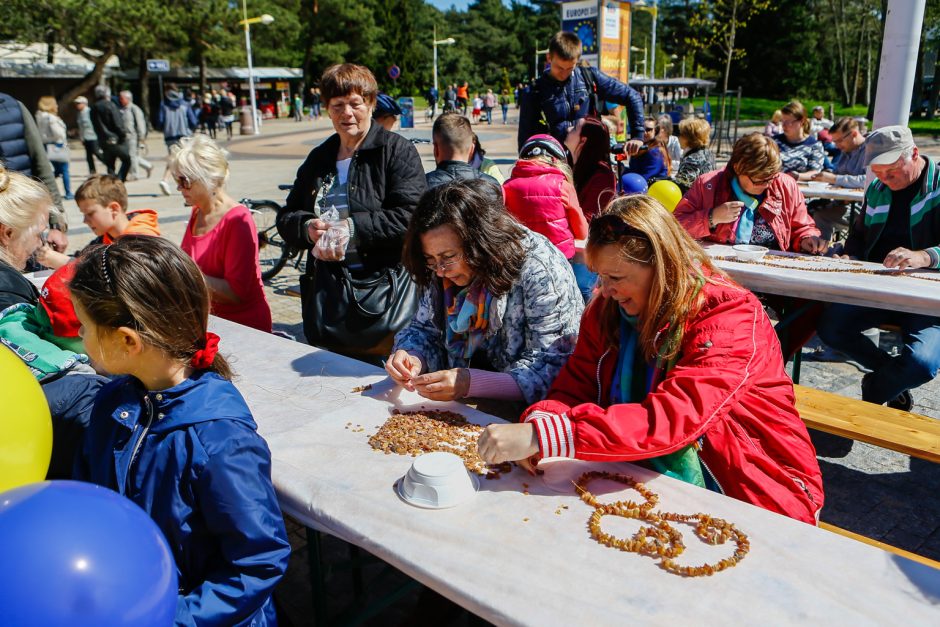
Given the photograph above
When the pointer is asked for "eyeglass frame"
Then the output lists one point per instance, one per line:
(183, 181)
(443, 266)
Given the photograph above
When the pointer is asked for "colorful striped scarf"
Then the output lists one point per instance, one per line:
(467, 310)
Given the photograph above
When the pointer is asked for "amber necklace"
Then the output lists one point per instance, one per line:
(659, 539)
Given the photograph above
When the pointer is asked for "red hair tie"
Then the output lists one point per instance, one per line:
(204, 357)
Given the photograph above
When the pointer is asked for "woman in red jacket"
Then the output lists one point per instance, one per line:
(677, 365)
(750, 202)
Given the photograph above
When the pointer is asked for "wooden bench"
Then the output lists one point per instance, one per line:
(920, 559)
(901, 431)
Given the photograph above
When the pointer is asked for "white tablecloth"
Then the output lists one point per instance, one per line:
(832, 192)
(804, 276)
(509, 557)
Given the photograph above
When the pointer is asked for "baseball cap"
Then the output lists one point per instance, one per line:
(542, 144)
(81, 100)
(56, 299)
(385, 105)
(885, 145)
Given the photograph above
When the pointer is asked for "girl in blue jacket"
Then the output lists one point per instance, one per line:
(174, 435)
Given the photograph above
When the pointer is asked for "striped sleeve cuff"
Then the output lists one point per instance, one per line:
(556, 438)
(934, 254)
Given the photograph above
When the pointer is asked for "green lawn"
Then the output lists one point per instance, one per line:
(763, 108)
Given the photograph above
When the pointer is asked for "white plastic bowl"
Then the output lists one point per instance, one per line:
(746, 252)
(436, 481)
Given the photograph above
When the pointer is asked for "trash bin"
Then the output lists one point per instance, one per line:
(246, 124)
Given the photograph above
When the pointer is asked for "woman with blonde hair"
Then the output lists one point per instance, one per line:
(221, 236)
(697, 159)
(773, 126)
(675, 365)
(24, 214)
(31, 326)
(54, 135)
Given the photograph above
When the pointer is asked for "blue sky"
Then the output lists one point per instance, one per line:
(460, 5)
(443, 5)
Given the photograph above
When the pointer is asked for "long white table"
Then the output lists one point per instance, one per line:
(517, 559)
(833, 280)
(817, 189)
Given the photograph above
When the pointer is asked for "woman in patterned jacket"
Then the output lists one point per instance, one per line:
(499, 310)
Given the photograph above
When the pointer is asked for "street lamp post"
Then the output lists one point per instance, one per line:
(643, 50)
(536, 66)
(443, 42)
(264, 19)
(650, 7)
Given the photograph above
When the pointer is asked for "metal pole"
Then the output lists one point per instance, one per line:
(898, 62)
(251, 75)
(653, 45)
(434, 45)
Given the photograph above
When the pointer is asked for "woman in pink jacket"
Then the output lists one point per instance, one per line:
(541, 195)
(676, 366)
(750, 202)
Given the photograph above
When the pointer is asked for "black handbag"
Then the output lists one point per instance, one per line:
(351, 314)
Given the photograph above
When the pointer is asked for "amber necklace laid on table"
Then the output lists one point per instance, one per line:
(659, 539)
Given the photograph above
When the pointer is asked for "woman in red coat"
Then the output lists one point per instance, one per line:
(676, 365)
(750, 202)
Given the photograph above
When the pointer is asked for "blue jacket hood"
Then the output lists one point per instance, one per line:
(173, 103)
(203, 397)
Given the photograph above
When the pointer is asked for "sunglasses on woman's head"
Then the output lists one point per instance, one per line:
(610, 228)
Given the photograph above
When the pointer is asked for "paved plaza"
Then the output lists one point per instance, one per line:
(874, 492)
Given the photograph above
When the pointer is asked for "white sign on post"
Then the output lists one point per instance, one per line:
(158, 65)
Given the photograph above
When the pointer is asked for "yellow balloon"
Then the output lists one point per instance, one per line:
(25, 425)
(666, 192)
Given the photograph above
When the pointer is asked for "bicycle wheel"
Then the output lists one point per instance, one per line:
(273, 251)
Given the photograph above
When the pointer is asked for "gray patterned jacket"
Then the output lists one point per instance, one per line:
(532, 329)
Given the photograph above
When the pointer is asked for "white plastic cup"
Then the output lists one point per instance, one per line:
(437, 481)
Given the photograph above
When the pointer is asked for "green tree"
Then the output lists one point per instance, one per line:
(95, 30)
(716, 24)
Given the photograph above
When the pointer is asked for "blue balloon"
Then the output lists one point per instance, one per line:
(80, 555)
(633, 183)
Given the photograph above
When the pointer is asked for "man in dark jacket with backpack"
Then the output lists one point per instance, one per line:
(567, 92)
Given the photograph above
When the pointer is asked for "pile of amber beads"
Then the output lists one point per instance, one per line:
(658, 539)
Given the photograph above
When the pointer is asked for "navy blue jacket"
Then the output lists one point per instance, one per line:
(192, 458)
(565, 103)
